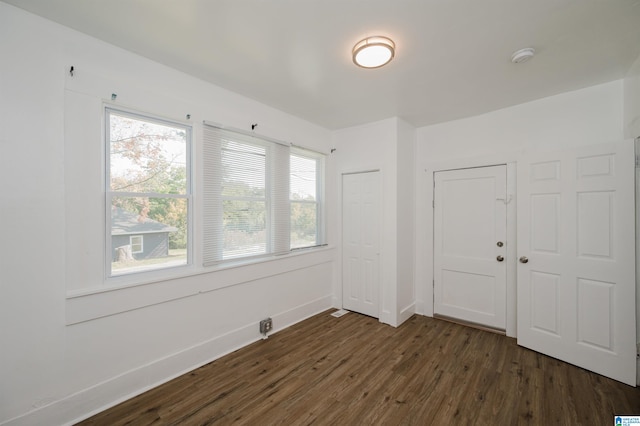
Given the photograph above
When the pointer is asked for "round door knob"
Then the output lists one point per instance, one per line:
(524, 259)
(499, 258)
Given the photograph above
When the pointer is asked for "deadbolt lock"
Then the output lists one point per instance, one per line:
(500, 243)
(499, 258)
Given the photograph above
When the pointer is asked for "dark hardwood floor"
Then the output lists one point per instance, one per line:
(353, 370)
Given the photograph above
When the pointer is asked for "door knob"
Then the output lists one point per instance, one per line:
(499, 258)
(500, 243)
(524, 259)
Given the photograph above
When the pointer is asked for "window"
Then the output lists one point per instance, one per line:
(136, 244)
(306, 171)
(148, 192)
(248, 208)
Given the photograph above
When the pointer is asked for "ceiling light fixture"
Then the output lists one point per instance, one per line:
(522, 55)
(373, 52)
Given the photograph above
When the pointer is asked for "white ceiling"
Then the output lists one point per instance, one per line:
(452, 58)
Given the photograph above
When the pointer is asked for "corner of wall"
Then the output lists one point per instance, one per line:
(631, 107)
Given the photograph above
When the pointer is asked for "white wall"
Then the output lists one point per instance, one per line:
(67, 347)
(632, 101)
(366, 148)
(388, 146)
(405, 225)
(584, 117)
(58, 363)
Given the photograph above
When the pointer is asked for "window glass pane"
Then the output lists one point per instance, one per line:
(260, 198)
(303, 178)
(161, 223)
(244, 228)
(146, 156)
(136, 244)
(304, 224)
(304, 201)
(244, 170)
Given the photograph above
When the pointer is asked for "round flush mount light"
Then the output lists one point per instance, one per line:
(522, 55)
(373, 52)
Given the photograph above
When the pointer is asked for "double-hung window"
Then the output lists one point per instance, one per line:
(261, 197)
(148, 194)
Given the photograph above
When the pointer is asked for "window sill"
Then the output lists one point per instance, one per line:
(127, 293)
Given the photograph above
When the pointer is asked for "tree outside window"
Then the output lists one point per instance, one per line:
(148, 192)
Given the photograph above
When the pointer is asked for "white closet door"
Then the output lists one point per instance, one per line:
(360, 242)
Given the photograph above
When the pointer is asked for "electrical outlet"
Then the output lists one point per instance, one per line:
(266, 325)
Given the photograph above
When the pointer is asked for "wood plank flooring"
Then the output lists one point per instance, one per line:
(353, 370)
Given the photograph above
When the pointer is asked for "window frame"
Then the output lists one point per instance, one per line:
(320, 160)
(278, 194)
(264, 198)
(137, 275)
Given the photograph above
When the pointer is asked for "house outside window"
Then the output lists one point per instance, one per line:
(148, 192)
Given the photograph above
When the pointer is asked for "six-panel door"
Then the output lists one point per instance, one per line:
(576, 292)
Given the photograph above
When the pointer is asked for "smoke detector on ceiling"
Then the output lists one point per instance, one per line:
(522, 55)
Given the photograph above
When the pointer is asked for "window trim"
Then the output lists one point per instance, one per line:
(127, 292)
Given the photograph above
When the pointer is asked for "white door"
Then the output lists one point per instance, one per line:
(470, 229)
(576, 291)
(360, 242)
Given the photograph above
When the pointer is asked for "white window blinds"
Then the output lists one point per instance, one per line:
(246, 196)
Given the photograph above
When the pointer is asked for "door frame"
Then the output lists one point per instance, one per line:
(424, 271)
(500, 174)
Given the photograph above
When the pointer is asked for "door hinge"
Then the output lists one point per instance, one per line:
(433, 204)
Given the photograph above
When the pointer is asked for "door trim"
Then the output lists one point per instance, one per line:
(510, 249)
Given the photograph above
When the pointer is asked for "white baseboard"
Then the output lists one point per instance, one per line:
(406, 313)
(90, 401)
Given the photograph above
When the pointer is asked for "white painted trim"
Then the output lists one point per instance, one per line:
(88, 402)
(406, 313)
(512, 251)
(86, 307)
